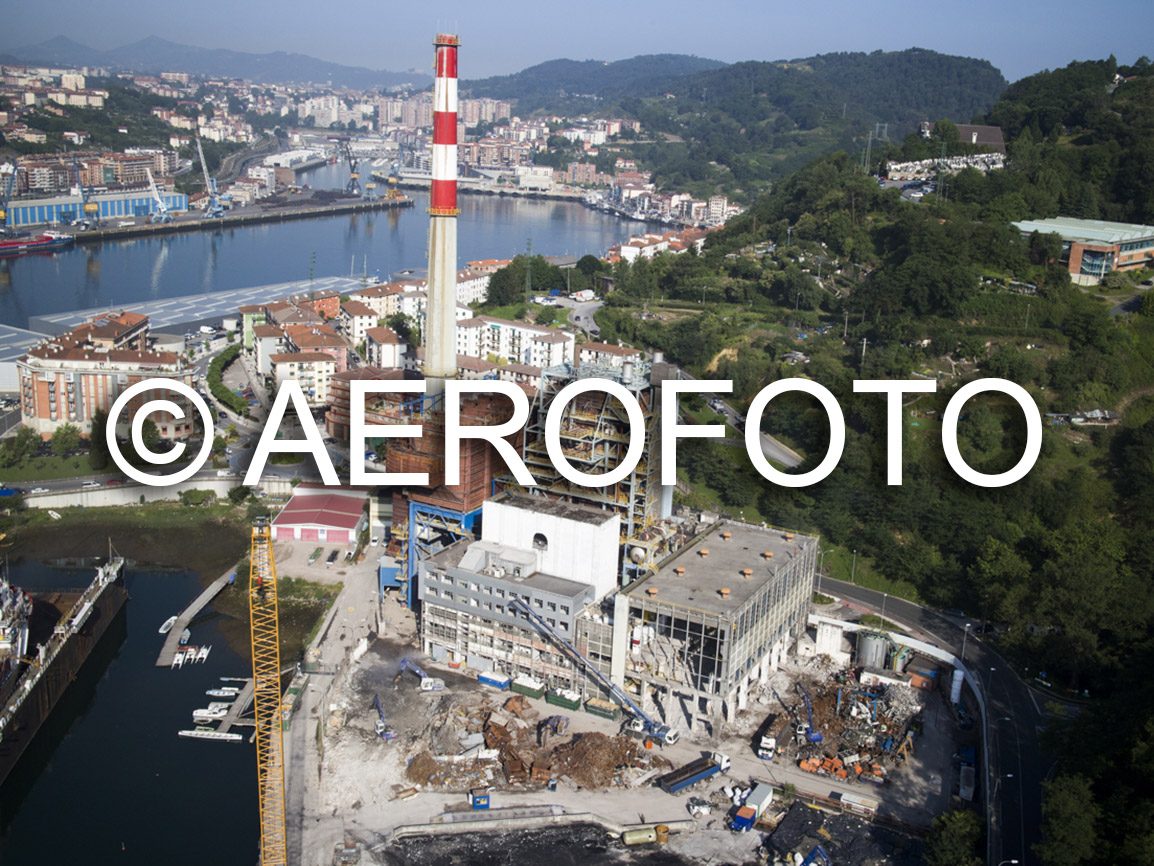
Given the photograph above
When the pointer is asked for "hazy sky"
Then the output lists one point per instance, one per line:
(1017, 36)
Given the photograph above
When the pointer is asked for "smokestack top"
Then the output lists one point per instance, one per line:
(446, 39)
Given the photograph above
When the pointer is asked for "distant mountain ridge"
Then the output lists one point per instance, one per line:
(561, 84)
(154, 54)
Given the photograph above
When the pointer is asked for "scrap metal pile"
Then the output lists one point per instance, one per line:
(472, 744)
(853, 731)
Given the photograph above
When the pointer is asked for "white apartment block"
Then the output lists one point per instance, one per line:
(313, 370)
(356, 319)
(515, 342)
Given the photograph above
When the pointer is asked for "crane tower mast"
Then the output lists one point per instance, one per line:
(265, 628)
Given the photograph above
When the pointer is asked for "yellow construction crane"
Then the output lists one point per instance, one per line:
(265, 626)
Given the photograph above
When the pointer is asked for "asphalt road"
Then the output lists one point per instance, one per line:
(1016, 761)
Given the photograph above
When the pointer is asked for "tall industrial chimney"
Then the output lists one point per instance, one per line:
(441, 319)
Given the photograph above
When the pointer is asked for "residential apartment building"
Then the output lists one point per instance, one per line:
(66, 379)
(312, 370)
(356, 318)
(515, 342)
(384, 348)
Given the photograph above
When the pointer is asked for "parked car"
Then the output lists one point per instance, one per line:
(38, 490)
(332, 558)
(374, 541)
(89, 485)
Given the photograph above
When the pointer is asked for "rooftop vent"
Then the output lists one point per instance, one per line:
(747, 573)
(767, 554)
(651, 591)
(679, 569)
(726, 534)
(789, 536)
(704, 552)
(724, 592)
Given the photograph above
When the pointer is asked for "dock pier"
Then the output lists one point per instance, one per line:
(172, 640)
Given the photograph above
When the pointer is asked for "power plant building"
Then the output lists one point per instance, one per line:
(687, 642)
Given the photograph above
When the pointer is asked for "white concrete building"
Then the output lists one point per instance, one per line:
(384, 348)
(516, 342)
(356, 319)
(313, 370)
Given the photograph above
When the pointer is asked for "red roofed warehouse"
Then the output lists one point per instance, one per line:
(324, 514)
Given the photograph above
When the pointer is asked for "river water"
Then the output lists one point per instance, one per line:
(107, 779)
(380, 243)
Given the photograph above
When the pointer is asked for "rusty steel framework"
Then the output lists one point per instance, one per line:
(265, 630)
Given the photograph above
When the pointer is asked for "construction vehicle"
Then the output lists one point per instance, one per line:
(160, 214)
(554, 726)
(382, 728)
(817, 855)
(695, 771)
(641, 720)
(264, 623)
(812, 735)
(767, 748)
(213, 209)
(428, 683)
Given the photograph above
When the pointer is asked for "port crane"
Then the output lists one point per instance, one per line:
(345, 151)
(428, 683)
(89, 210)
(641, 722)
(265, 634)
(213, 209)
(7, 189)
(160, 214)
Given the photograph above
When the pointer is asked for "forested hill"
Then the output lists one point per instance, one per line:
(745, 124)
(561, 86)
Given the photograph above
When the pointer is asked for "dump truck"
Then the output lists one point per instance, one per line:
(695, 771)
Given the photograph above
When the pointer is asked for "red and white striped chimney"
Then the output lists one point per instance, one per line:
(441, 319)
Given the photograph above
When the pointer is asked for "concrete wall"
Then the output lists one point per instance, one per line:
(128, 494)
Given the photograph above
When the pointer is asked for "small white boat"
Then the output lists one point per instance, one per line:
(168, 624)
(209, 714)
(185, 635)
(210, 734)
(189, 654)
(202, 653)
(178, 660)
(223, 693)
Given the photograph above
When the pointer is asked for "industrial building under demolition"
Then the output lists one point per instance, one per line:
(687, 642)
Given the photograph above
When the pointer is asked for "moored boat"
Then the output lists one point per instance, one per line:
(168, 624)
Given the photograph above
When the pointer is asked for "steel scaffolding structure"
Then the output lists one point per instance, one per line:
(595, 435)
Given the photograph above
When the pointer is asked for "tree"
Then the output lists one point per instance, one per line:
(150, 434)
(20, 447)
(406, 328)
(98, 455)
(954, 840)
(238, 494)
(65, 440)
(1069, 816)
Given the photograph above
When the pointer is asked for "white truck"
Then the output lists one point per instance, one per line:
(583, 295)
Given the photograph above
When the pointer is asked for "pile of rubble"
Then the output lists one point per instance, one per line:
(472, 744)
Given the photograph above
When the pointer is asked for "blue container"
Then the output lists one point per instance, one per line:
(497, 681)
